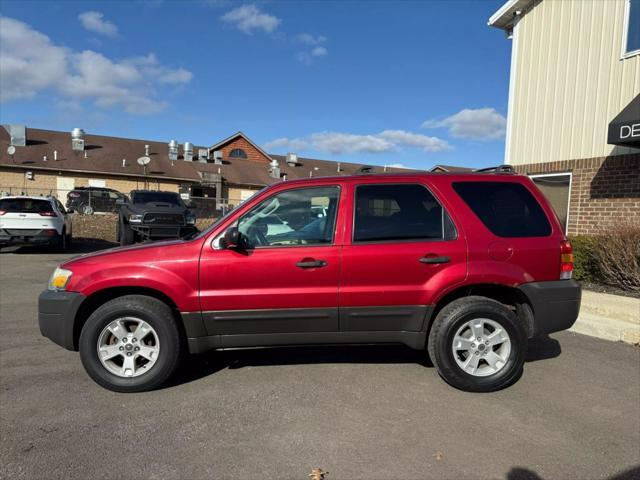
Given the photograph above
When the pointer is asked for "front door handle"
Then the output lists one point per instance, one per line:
(433, 260)
(311, 263)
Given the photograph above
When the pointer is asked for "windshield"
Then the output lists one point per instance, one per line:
(24, 205)
(156, 197)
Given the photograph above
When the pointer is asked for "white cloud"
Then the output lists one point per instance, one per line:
(31, 63)
(309, 39)
(341, 142)
(319, 52)
(289, 144)
(249, 18)
(337, 142)
(402, 138)
(95, 22)
(481, 124)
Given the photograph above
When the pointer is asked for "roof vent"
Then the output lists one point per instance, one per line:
(339, 167)
(188, 151)
(217, 157)
(146, 150)
(77, 139)
(17, 133)
(292, 159)
(203, 155)
(274, 168)
(173, 150)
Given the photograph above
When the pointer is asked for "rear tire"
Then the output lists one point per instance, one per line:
(86, 209)
(128, 313)
(477, 344)
(61, 243)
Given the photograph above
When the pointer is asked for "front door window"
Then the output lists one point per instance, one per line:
(293, 218)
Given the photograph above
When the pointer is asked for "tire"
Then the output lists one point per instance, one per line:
(61, 244)
(86, 209)
(453, 323)
(126, 236)
(164, 333)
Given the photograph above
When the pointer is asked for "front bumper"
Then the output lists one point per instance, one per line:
(57, 314)
(162, 231)
(555, 304)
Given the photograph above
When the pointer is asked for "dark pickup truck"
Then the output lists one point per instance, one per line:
(153, 215)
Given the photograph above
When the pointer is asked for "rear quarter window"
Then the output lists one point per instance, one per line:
(506, 209)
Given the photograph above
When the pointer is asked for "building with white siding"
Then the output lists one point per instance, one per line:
(574, 105)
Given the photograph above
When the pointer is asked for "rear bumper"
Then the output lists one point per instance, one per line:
(56, 316)
(26, 237)
(555, 305)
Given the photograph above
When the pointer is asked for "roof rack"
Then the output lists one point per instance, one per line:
(498, 169)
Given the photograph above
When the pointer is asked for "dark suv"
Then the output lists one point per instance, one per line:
(87, 200)
(464, 266)
(152, 215)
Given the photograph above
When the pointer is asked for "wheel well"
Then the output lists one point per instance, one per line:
(91, 303)
(508, 296)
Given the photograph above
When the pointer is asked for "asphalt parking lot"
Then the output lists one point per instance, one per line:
(372, 412)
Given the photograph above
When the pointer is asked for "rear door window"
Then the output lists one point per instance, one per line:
(25, 205)
(399, 212)
(506, 209)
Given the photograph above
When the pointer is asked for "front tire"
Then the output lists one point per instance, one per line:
(126, 236)
(131, 344)
(477, 344)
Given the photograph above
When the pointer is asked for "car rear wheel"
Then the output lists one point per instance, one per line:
(131, 344)
(61, 243)
(477, 344)
(86, 209)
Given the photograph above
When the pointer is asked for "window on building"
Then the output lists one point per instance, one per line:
(506, 209)
(304, 216)
(557, 189)
(632, 33)
(398, 213)
(238, 153)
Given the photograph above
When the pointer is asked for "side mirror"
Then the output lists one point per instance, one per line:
(191, 205)
(120, 201)
(231, 238)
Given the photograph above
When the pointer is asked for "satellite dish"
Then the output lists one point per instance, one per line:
(11, 149)
(144, 161)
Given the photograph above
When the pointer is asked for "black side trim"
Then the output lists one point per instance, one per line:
(240, 322)
(555, 304)
(415, 340)
(376, 319)
(56, 316)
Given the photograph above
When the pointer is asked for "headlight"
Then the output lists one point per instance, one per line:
(135, 218)
(190, 218)
(59, 279)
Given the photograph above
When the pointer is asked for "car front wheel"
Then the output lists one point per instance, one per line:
(477, 344)
(131, 344)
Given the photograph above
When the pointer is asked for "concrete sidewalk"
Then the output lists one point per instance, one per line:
(610, 317)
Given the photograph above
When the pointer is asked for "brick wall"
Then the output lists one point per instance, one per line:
(252, 152)
(605, 191)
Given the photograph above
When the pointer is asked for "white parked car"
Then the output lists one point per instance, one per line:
(34, 221)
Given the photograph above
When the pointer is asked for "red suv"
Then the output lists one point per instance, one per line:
(467, 266)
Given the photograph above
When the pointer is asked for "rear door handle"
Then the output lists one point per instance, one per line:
(433, 260)
(311, 263)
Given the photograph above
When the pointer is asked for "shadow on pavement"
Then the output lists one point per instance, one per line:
(78, 246)
(205, 364)
(519, 473)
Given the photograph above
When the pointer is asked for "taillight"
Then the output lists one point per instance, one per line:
(73, 195)
(566, 260)
(2, 212)
(48, 214)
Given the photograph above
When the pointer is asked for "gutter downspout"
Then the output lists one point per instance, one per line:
(512, 88)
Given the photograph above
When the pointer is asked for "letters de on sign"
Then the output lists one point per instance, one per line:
(632, 131)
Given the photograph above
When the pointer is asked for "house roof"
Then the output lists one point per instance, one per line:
(450, 168)
(105, 156)
(505, 16)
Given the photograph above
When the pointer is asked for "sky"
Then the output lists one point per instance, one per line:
(406, 83)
